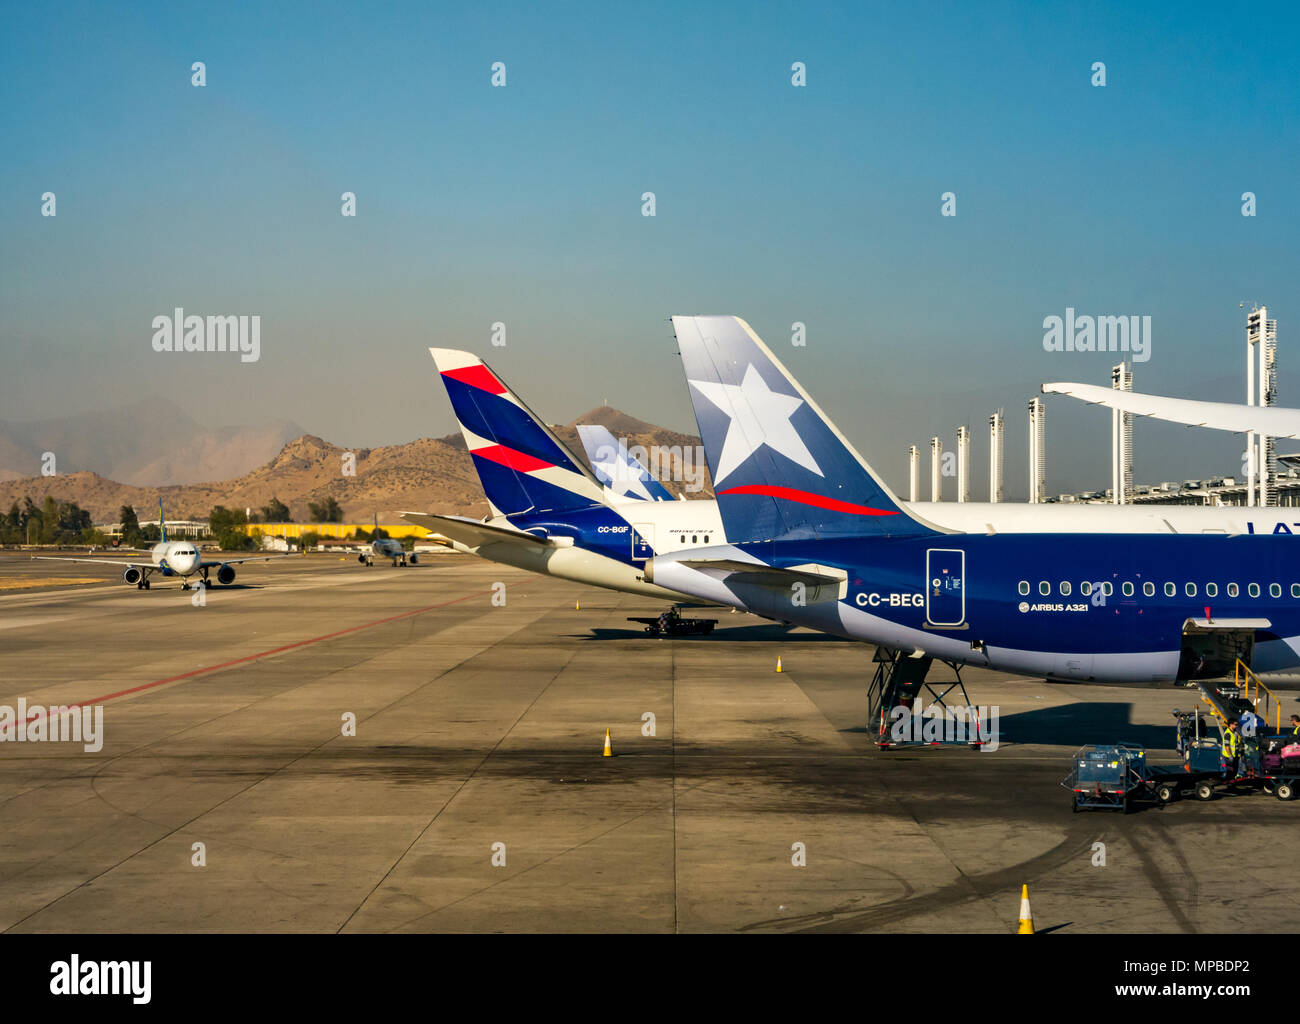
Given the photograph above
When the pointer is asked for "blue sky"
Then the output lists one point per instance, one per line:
(522, 204)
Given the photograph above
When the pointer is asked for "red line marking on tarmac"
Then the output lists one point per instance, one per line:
(254, 657)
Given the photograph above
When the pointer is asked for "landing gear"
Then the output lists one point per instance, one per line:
(142, 585)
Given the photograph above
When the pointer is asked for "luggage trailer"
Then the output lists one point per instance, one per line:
(1114, 776)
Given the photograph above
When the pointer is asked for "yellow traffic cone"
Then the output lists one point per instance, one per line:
(609, 751)
(1026, 918)
(577, 606)
(778, 663)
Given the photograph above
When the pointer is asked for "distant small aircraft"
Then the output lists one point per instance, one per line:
(170, 558)
(385, 547)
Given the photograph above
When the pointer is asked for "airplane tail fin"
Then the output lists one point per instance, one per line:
(781, 469)
(162, 521)
(521, 464)
(615, 467)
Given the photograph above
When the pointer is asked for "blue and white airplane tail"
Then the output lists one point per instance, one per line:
(781, 470)
(522, 465)
(615, 467)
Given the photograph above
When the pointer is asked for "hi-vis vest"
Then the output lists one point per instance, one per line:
(1231, 741)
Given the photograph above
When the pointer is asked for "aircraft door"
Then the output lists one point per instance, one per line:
(945, 591)
(643, 540)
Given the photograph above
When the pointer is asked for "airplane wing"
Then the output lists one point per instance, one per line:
(247, 558)
(98, 561)
(1269, 420)
(471, 532)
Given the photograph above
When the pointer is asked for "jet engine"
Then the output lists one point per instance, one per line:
(132, 575)
(226, 575)
(413, 559)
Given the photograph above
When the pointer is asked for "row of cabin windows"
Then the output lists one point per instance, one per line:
(695, 538)
(1149, 589)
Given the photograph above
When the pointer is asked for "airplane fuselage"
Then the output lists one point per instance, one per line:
(176, 557)
(1033, 605)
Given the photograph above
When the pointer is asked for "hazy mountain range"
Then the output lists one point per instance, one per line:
(429, 474)
(151, 443)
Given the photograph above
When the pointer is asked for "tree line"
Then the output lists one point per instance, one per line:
(52, 522)
(65, 522)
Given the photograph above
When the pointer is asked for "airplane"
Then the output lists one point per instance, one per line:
(551, 515)
(170, 558)
(616, 468)
(549, 512)
(386, 547)
(815, 538)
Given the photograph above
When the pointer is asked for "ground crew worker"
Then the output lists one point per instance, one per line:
(1295, 725)
(1232, 746)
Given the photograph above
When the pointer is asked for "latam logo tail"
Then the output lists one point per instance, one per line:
(781, 469)
(522, 466)
(617, 468)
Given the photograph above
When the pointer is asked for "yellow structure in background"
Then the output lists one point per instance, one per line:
(339, 531)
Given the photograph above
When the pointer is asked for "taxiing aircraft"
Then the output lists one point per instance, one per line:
(386, 547)
(170, 558)
(817, 539)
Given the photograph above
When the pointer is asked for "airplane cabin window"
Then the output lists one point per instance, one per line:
(1190, 590)
(1149, 588)
(1107, 589)
(1065, 588)
(1211, 590)
(1253, 589)
(1295, 589)
(1044, 588)
(1170, 590)
(1233, 590)
(1127, 589)
(1085, 588)
(706, 538)
(1024, 587)
(1275, 590)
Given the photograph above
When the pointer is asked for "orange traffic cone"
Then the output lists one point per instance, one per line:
(1026, 918)
(609, 749)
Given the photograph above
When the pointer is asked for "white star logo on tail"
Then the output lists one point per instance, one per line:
(759, 416)
(621, 475)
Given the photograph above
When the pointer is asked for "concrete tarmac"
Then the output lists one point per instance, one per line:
(473, 796)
